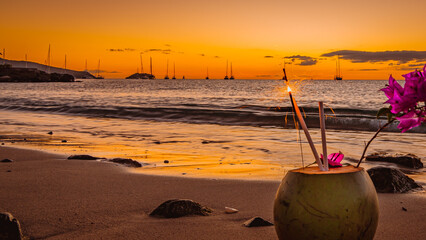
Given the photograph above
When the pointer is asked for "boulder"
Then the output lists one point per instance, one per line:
(175, 208)
(391, 180)
(10, 229)
(407, 160)
(6, 160)
(257, 222)
(126, 161)
(82, 157)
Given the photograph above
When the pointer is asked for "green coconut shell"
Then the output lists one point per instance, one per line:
(339, 204)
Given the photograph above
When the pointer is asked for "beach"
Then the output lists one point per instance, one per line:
(55, 198)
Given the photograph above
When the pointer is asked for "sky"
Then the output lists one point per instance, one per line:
(373, 38)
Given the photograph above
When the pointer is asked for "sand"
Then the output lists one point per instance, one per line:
(55, 198)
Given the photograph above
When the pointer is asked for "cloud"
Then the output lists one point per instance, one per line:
(304, 60)
(368, 69)
(202, 54)
(416, 65)
(95, 71)
(216, 57)
(268, 56)
(160, 50)
(121, 49)
(402, 57)
(267, 75)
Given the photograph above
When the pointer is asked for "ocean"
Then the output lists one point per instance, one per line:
(205, 128)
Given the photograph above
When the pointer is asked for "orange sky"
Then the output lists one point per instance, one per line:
(201, 33)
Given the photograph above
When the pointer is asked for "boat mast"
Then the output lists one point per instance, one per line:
(141, 63)
(150, 64)
(48, 60)
(174, 71)
(99, 66)
(226, 76)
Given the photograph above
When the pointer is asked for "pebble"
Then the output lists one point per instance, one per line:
(166, 161)
(230, 210)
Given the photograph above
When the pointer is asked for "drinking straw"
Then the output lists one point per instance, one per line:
(323, 136)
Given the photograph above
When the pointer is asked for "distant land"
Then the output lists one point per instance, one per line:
(42, 67)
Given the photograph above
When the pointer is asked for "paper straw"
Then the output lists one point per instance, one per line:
(323, 136)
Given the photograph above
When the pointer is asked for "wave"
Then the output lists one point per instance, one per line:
(248, 115)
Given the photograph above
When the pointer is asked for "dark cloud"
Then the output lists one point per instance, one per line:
(163, 51)
(95, 71)
(216, 57)
(167, 45)
(202, 54)
(376, 57)
(267, 76)
(416, 65)
(368, 69)
(121, 49)
(302, 60)
(268, 56)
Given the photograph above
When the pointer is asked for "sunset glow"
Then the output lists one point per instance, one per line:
(256, 36)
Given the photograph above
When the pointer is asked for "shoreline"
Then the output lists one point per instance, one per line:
(56, 198)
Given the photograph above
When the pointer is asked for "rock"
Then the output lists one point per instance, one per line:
(407, 160)
(50, 133)
(257, 222)
(6, 160)
(391, 180)
(229, 210)
(82, 157)
(175, 208)
(64, 141)
(126, 161)
(166, 161)
(9, 227)
(404, 209)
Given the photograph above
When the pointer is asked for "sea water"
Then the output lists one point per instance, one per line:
(213, 128)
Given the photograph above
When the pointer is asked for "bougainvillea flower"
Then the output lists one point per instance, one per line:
(409, 121)
(401, 103)
(334, 159)
(392, 86)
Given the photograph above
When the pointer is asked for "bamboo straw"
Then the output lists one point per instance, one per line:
(323, 136)
(308, 136)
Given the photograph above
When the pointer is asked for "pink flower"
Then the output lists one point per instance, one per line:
(410, 120)
(390, 89)
(401, 103)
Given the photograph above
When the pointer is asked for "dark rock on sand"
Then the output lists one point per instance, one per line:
(50, 133)
(126, 161)
(6, 160)
(175, 208)
(257, 222)
(391, 180)
(407, 160)
(82, 157)
(166, 161)
(9, 227)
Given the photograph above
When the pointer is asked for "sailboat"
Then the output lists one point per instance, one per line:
(98, 76)
(142, 74)
(167, 73)
(226, 76)
(207, 76)
(174, 71)
(338, 76)
(232, 76)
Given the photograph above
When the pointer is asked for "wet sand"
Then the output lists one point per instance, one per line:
(56, 198)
